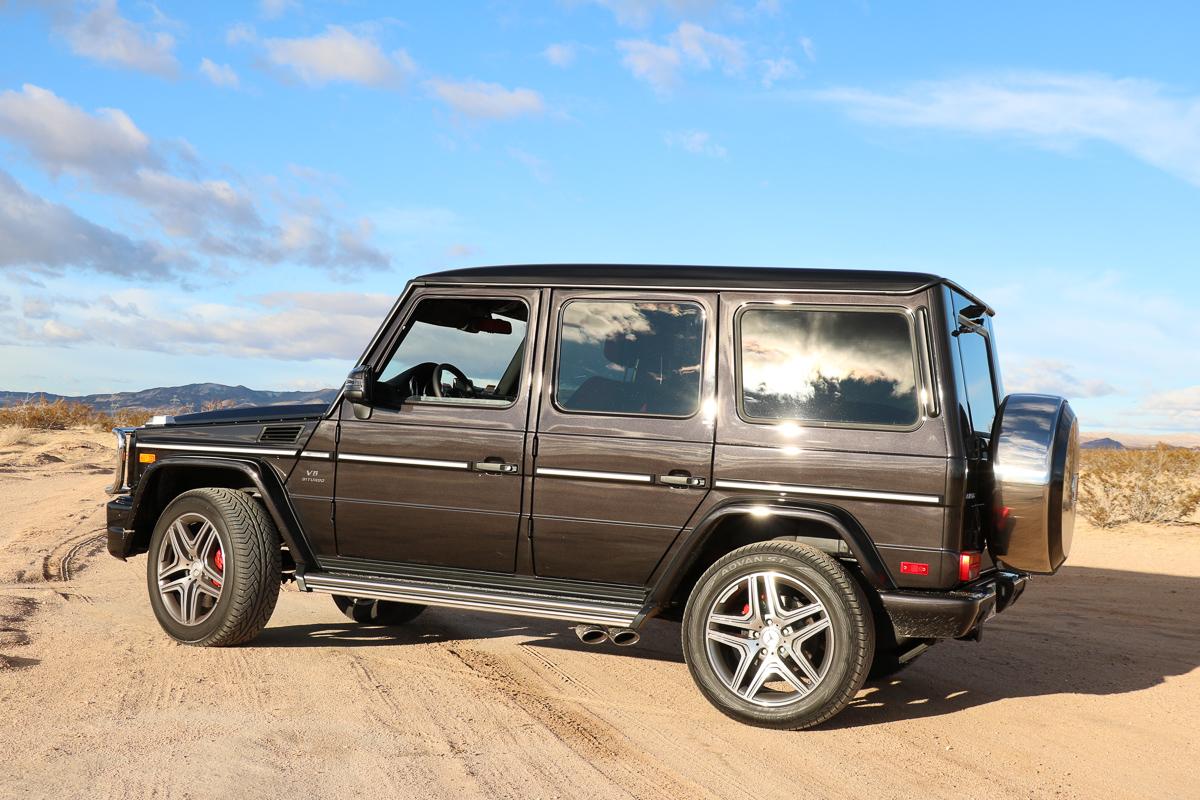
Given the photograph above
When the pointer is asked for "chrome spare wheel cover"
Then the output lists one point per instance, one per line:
(769, 639)
(191, 569)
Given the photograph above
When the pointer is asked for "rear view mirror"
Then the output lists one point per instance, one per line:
(357, 387)
(492, 325)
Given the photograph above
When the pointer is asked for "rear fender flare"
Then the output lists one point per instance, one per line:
(836, 520)
(260, 476)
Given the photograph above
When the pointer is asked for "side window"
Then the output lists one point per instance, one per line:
(464, 350)
(978, 374)
(828, 366)
(630, 357)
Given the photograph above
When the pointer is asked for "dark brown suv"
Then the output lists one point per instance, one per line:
(817, 472)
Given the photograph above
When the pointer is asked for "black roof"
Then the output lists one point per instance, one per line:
(695, 277)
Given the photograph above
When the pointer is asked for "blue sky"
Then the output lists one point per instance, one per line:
(236, 192)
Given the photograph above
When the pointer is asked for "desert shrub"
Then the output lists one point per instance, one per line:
(1160, 485)
(40, 415)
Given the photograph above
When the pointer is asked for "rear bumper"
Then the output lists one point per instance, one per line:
(120, 526)
(953, 614)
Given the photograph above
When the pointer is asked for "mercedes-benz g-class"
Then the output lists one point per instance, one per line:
(817, 472)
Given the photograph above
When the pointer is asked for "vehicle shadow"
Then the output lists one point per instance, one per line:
(1084, 631)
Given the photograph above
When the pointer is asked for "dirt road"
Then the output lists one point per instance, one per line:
(1089, 687)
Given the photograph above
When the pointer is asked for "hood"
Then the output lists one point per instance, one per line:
(251, 414)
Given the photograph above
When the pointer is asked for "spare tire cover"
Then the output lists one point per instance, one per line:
(1035, 472)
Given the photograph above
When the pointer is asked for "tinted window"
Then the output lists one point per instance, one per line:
(481, 339)
(852, 367)
(626, 357)
(977, 373)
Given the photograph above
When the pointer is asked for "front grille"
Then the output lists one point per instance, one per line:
(280, 434)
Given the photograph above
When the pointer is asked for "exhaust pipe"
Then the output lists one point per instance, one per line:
(624, 637)
(591, 634)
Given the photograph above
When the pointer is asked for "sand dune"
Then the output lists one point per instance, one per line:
(1088, 688)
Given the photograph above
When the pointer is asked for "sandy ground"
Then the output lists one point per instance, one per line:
(1089, 687)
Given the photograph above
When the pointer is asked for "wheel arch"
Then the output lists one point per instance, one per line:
(744, 522)
(165, 480)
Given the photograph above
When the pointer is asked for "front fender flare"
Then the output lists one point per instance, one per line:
(260, 476)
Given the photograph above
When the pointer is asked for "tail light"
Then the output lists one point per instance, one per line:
(968, 566)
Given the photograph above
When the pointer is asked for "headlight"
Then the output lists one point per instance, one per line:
(119, 484)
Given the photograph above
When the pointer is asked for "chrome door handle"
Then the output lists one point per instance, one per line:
(494, 467)
(686, 481)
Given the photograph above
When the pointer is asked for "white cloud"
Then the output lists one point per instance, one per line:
(46, 237)
(105, 36)
(338, 55)
(1059, 111)
(656, 64)
(777, 69)
(239, 33)
(689, 45)
(217, 217)
(639, 13)
(274, 9)
(292, 326)
(1176, 409)
(487, 100)
(560, 55)
(64, 137)
(539, 168)
(219, 74)
(696, 142)
(1048, 376)
(810, 52)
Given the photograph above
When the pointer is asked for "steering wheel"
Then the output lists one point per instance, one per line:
(435, 379)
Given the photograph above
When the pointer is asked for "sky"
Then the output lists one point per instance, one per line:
(236, 193)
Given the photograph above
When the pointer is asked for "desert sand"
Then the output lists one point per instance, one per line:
(1089, 687)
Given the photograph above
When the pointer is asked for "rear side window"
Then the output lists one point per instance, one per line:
(835, 367)
(630, 357)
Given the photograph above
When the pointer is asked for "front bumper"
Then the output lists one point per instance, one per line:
(120, 526)
(953, 614)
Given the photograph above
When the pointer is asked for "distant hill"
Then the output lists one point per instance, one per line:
(193, 397)
(1104, 443)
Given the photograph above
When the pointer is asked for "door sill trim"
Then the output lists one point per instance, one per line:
(475, 599)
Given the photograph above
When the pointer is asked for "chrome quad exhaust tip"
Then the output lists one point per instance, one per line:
(624, 637)
(591, 634)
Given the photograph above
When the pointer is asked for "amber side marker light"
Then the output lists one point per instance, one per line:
(146, 458)
(968, 566)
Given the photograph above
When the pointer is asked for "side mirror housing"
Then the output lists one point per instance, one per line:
(358, 385)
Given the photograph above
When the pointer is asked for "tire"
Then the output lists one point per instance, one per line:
(218, 553)
(377, 612)
(836, 639)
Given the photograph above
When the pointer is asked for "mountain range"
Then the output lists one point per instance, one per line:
(192, 397)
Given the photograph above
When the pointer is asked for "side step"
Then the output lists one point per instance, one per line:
(475, 599)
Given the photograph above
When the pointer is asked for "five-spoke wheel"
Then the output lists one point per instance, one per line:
(778, 634)
(214, 567)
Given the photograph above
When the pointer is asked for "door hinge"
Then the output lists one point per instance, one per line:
(535, 446)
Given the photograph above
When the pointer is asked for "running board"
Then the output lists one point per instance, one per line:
(496, 601)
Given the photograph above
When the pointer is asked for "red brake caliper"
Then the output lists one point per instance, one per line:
(219, 560)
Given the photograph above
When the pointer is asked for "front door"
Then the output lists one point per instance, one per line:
(434, 475)
(625, 431)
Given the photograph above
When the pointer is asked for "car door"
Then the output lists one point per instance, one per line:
(624, 433)
(433, 475)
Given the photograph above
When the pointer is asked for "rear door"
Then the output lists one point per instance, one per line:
(625, 430)
(434, 475)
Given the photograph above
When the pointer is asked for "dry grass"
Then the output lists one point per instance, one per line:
(62, 415)
(1161, 485)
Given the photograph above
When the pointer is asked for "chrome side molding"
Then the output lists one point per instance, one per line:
(823, 491)
(594, 475)
(475, 599)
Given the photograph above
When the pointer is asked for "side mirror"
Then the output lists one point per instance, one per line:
(358, 385)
